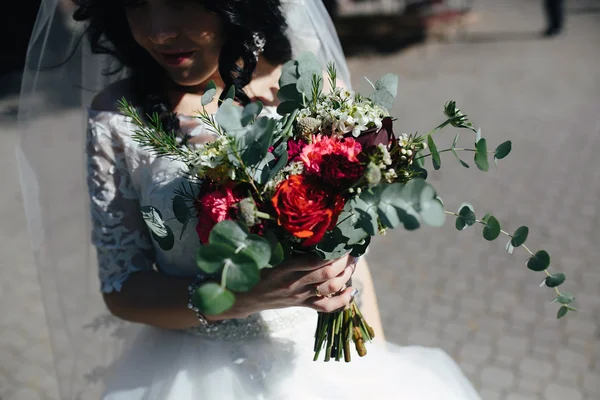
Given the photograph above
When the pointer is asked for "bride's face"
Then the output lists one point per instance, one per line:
(182, 36)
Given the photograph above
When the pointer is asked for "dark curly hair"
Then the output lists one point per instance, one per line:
(108, 32)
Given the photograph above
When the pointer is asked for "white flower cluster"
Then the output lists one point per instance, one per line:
(210, 155)
(294, 168)
(344, 111)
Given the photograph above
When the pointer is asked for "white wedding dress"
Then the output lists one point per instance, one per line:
(265, 356)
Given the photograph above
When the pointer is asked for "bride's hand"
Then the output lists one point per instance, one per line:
(305, 281)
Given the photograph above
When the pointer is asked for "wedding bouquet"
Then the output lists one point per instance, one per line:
(326, 177)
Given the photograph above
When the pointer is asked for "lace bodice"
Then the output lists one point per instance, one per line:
(122, 177)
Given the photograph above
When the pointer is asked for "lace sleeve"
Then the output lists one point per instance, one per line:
(121, 238)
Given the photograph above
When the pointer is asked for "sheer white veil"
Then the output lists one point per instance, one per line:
(60, 79)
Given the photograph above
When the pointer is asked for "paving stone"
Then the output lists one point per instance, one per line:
(557, 392)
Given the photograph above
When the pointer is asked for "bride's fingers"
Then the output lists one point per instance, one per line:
(324, 274)
(336, 284)
(339, 302)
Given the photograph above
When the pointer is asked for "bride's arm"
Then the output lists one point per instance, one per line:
(135, 291)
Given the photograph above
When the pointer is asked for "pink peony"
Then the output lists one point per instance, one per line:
(334, 160)
(212, 208)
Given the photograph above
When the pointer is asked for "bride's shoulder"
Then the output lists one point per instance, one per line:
(107, 99)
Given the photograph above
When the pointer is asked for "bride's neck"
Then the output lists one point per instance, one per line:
(184, 97)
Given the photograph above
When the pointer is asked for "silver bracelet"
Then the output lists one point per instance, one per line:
(191, 289)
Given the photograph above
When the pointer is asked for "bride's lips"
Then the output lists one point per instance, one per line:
(176, 58)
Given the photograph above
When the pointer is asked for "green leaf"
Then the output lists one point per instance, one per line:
(212, 299)
(565, 298)
(519, 236)
(435, 155)
(305, 86)
(241, 272)
(361, 248)
(282, 162)
(365, 207)
(349, 226)
(431, 207)
(388, 82)
(397, 205)
(308, 64)
(289, 73)
(486, 218)
(460, 224)
(277, 254)
(383, 98)
(331, 248)
(259, 249)
(208, 96)
(254, 144)
(251, 111)
(481, 155)
(288, 107)
(562, 311)
(477, 135)
(492, 229)
(419, 159)
(210, 258)
(289, 93)
(539, 262)
(555, 280)
(229, 116)
(503, 150)
(467, 214)
(181, 210)
(261, 173)
(464, 164)
(228, 233)
(230, 93)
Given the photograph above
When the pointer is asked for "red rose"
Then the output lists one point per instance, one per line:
(305, 210)
(213, 208)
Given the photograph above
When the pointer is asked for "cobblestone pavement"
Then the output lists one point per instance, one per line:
(441, 287)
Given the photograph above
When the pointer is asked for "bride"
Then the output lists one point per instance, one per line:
(165, 52)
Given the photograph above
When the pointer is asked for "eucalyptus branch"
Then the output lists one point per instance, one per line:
(447, 150)
(537, 262)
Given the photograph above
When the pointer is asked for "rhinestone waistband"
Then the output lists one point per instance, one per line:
(260, 325)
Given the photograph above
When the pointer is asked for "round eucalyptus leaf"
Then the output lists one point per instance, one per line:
(250, 112)
(467, 213)
(230, 93)
(181, 210)
(432, 213)
(492, 229)
(519, 236)
(503, 150)
(562, 311)
(212, 299)
(241, 272)
(228, 233)
(565, 298)
(259, 249)
(210, 258)
(277, 254)
(208, 96)
(460, 224)
(555, 280)
(539, 262)
(287, 107)
(289, 93)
